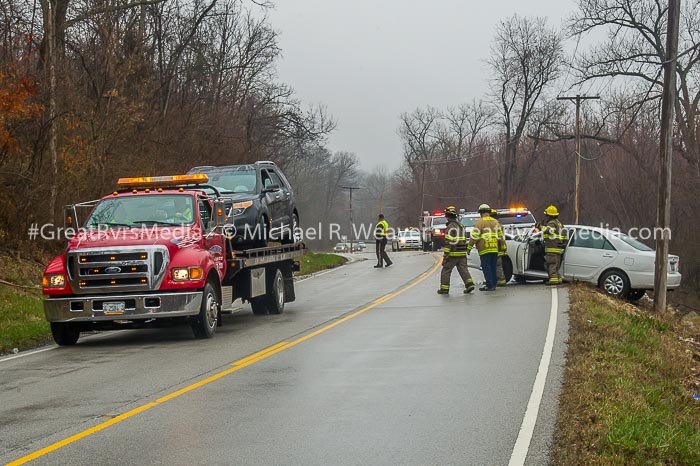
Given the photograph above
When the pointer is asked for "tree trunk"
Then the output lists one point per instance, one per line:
(508, 175)
(50, 28)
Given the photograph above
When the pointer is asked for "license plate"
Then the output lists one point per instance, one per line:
(115, 308)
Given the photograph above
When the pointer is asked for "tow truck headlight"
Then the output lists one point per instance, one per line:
(239, 207)
(183, 274)
(54, 281)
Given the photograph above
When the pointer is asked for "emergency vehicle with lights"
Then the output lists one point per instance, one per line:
(158, 252)
(432, 228)
(516, 221)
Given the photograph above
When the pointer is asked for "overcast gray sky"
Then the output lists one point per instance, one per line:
(370, 60)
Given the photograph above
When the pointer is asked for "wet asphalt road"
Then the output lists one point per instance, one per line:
(416, 379)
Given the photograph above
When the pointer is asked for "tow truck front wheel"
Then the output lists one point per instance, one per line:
(64, 333)
(204, 325)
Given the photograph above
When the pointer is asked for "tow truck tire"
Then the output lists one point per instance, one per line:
(64, 333)
(273, 301)
(276, 293)
(204, 325)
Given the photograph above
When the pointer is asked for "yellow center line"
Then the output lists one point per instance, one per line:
(235, 366)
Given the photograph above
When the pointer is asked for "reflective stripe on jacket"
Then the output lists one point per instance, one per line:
(455, 239)
(554, 239)
(487, 234)
(380, 229)
(503, 249)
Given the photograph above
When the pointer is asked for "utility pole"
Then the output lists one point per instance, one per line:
(663, 212)
(350, 189)
(422, 187)
(577, 100)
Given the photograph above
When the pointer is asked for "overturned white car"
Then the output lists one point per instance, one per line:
(617, 263)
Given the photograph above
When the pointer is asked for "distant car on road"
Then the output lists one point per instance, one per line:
(261, 201)
(615, 262)
(341, 247)
(406, 239)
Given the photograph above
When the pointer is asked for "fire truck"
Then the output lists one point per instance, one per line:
(158, 252)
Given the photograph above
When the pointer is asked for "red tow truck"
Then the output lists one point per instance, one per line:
(156, 252)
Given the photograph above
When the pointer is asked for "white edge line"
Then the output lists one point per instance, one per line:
(96, 336)
(27, 353)
(522, 444)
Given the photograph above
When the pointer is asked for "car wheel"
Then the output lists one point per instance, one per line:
(291, 237)
(507, 268)
(263, 232)
(520, 278)
(636, 295)
(615, 283)
(204, 325)
(65, 333)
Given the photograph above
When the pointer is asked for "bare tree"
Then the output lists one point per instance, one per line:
(634, 51)
(526, 57)
(462, 126)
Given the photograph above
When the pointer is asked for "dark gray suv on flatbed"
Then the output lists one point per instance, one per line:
(260, 202)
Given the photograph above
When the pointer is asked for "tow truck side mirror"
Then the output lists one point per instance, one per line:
(219, 214)
(70, 219)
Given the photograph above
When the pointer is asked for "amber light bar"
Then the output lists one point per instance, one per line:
(157, 181)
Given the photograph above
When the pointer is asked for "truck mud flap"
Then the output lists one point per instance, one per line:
(288, 273)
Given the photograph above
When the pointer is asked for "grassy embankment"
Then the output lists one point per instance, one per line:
(22, 323)
(314, 262)
(629, 385)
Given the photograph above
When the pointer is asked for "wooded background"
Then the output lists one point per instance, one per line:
(91, 90)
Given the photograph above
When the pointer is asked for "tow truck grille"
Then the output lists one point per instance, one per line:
(105, 270)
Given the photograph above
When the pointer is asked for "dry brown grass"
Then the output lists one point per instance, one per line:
(629, 379)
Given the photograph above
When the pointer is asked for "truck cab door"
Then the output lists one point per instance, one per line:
(213, 240)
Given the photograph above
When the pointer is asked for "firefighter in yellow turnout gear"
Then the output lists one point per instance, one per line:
(455, 254)
(502, 251)
(554, 243)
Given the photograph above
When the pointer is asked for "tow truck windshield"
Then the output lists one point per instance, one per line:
(136, 211)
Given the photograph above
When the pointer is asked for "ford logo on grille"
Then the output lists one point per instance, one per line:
(113, 270)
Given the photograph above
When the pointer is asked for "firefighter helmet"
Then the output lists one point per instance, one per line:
(484, 208)
(551, 211)
(451, 211)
